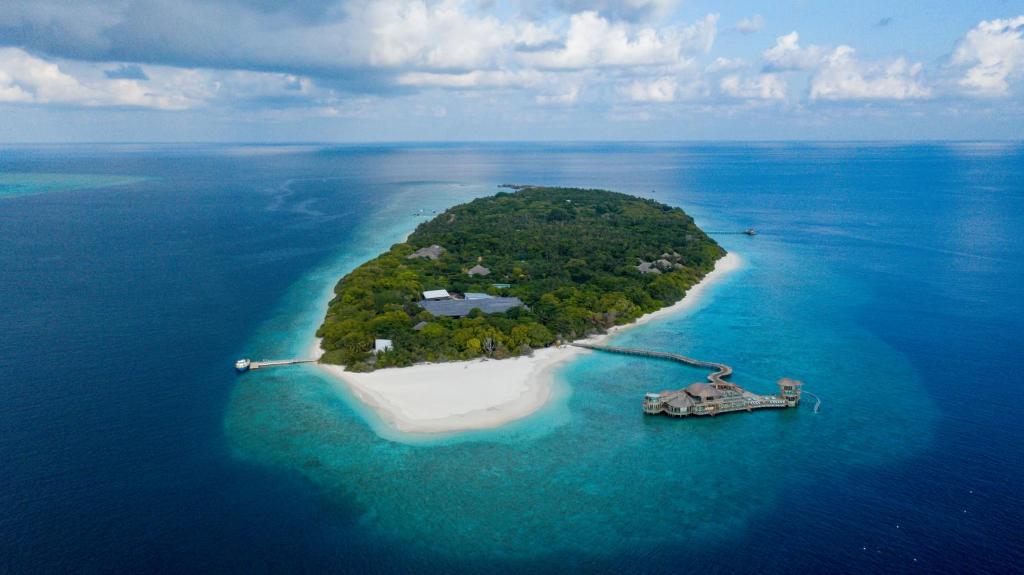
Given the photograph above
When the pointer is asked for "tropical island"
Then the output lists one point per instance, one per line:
(504, 275)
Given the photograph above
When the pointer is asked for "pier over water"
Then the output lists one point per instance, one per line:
(246, 364)
(717, 396)
(716, 378)
(277, 362)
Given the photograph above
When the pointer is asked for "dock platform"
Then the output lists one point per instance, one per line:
(712, 398)
(244, 365)
(276, 362)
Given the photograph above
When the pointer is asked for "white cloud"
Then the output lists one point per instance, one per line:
(750, 25)
(842, 77)
(440, 35)
(762, 87)
(725, 65)
(787, 54)
(620, 54)
(27, 79)
(659, 90)
(533, 35)
(471, 80)
(567, 96)
(594, 42)
(994, 52)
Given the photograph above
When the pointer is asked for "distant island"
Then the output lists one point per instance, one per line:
(503, 275)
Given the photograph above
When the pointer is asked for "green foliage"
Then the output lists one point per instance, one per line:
(569, 254)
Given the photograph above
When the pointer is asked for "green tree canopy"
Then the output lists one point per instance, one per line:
(580, 260)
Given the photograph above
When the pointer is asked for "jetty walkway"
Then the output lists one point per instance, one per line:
(702, 399)
(276, 362)
(716, 378)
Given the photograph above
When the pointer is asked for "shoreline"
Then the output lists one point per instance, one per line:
(482, 393)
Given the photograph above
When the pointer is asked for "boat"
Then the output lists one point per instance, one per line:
(242, 365)
(750, 232)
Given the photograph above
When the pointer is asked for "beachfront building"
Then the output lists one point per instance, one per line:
(381, 345)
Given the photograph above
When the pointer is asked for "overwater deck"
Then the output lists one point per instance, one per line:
(262, 363)
(713, 398)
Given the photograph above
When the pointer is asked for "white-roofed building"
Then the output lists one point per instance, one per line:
(380, 345)
(436, 294)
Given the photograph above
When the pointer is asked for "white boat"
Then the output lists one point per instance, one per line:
(242, 365)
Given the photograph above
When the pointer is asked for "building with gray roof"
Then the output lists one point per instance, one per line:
(432, 252)
(462, 307)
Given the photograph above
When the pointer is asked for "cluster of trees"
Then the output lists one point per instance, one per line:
(571, 255)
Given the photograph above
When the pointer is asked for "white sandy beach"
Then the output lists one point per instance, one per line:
(479, 394)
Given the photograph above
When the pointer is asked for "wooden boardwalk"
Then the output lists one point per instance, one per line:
(716, 378)
(735, 398)
(276, 362)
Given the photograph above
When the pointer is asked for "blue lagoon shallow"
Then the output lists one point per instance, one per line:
(886, 277)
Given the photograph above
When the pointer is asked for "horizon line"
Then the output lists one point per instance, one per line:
(510, 141)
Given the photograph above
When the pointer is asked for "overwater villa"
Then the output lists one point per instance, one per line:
(719, 397)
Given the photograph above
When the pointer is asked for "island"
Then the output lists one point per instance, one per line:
(460, 325)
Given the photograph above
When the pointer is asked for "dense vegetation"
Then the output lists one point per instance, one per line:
(570, 255)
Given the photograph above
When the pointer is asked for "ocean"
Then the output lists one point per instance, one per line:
(886, 276)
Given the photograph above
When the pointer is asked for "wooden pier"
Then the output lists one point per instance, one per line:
(716, 378)
(276, 362)
(717, 396)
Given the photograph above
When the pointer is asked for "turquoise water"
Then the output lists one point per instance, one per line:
(590, 472)
(16, 184)
(886, 277)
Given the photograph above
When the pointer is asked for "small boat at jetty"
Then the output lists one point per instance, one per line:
(242, 365)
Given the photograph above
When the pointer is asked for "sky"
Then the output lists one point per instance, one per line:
(492, 70)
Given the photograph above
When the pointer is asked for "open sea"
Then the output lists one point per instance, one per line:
(888, 277)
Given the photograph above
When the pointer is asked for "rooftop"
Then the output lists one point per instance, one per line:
(462, 307)
(703, 390)
(436, 294)
(647, 268)
(433, 252)
(681, 401)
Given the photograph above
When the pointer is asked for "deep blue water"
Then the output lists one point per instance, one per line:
(887, 277)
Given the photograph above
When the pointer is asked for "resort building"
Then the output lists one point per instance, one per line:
(647, 268)
(478, 270)
(477, 295)
(462, 307)
(711, 399)
(432, 252)
(436, 294)
(380, 345)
